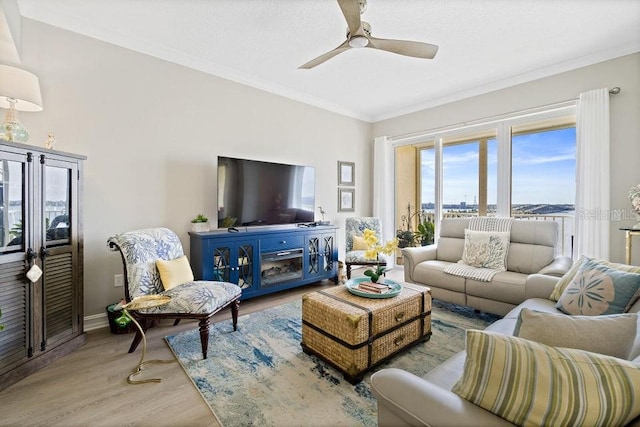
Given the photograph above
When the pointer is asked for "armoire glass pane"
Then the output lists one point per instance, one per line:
(57, 203)
(11, 205)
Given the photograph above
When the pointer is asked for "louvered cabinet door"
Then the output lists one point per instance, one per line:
(58, 253)
(15, 339)
(58, 284)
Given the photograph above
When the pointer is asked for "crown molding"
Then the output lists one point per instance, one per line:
(540, 73)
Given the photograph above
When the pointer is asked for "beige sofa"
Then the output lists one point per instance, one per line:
(531, 266)
(406, 399)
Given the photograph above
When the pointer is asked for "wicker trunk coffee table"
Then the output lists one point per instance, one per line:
(354, 333)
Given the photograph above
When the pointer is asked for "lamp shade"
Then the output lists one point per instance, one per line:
(22, 86)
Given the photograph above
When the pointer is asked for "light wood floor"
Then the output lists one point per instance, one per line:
(89, 387)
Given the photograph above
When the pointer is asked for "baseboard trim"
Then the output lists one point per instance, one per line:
(96, 321)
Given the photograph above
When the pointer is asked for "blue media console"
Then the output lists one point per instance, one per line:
(262, 260)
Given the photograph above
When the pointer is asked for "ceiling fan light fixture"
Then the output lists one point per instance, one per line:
(358, 41)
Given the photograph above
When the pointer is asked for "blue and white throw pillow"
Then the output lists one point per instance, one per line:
(597, 289)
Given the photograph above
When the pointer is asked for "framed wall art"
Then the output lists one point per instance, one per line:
(346, 173)
(346, 199)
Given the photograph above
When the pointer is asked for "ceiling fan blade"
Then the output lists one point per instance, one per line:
(351, 12)
(405, 47)
(326, 56)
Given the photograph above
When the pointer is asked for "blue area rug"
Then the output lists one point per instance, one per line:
(259, 375)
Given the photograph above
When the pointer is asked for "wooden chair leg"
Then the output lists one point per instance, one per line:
(175, 323)
(348, 271)
(204, 336)
(235, 308)
(136, 340)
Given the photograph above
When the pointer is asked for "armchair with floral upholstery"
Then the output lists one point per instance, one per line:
(200, 300)
(355, 247)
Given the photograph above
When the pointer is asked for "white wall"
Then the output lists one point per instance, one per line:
(625, 123)
(152, 131)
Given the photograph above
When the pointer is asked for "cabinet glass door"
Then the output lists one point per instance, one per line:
(12, 180)
(328, 250)
(16, 340)
(57, 205)
(222, 264)
(313, 259)
(246, 267)
(320, 255)
(235, 263)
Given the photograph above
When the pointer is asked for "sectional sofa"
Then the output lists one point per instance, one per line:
(532, 336)
(406, 399)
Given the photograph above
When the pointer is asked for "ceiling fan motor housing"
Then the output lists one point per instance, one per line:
(366, 27)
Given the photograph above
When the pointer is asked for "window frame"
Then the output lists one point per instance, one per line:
(503, 127)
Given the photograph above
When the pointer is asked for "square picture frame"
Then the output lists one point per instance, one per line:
(346, 173)
(346, 199)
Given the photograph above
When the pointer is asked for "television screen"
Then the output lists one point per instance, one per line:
(252, 192)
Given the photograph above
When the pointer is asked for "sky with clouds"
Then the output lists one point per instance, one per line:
(543, 170)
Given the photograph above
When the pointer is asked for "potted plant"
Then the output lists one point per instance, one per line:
(425, 233)
(375, 274)
(200, 224)
(406, 238)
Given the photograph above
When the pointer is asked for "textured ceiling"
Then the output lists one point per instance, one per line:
(484, 45)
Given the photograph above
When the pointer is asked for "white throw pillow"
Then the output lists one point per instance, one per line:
(486, 249)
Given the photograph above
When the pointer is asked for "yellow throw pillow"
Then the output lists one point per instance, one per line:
(359, 244)
(528, 383)
(175, 272)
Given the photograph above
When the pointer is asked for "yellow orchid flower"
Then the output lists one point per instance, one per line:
(373, 248)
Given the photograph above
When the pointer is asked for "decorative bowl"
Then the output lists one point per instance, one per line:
(352, 286)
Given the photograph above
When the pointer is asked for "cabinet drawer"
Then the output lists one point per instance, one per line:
(282, 242)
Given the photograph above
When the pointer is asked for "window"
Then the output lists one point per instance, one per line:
(543, 170)
(523, 166)
(428, 178)
(469, 174)
(543, 176)
(469, 177)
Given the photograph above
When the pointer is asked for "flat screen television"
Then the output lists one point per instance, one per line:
(252, 192)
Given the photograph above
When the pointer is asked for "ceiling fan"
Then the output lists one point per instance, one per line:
(359, 35)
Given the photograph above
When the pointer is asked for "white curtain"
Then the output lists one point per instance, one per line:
(592, 175)
(383, 188)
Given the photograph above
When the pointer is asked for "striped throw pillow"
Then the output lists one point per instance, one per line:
(529, 383)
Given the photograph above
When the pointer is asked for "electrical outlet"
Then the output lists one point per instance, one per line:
(118, 281)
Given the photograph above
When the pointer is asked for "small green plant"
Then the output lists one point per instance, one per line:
(375, 273)
(1, 325)
(228, 221)
(406, 238)
(200, 218)
(425, 233)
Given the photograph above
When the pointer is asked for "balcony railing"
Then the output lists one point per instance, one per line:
(566, 223)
